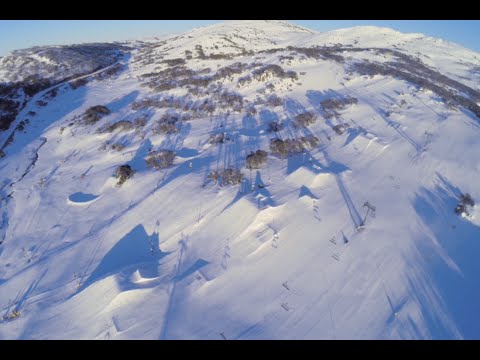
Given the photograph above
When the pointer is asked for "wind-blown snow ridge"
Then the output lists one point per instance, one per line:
(246, 180)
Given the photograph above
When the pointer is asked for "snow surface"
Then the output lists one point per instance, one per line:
(171, 256)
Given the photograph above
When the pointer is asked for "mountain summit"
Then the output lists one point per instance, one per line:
(246, 180)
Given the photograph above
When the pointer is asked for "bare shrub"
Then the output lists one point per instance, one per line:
(229, 176)
(117, 147)
(464, 202)
(123, 173)
(94, 114)
(174, 62)
(305, 119)
(309, 141)
(160, 159)
(139, 122)
(293, 146)
(167, 124)
(78, 83)
(244, 80)
(275, 126)
(255, 160)
(251, 110)
(274, 101)
(340, 129)
(273, 70)
(123, 125)
(217, 138)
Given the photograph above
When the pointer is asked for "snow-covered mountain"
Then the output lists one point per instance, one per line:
(245, 180)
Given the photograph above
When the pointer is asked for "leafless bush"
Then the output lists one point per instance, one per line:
(275, 126)
(244, 80)
(123, 125)
(139, 122)
(340, 129)
(273, 70)
(174, 62)
(230, 70)
(230, 100)
(256, 159)
(274, 101)
(160, 159)
(165, 128)
(464, 202)
(94, 114)
(218, 138)
(167, 124)
(229, 176)
(78, 83)
(123, 173)
(305, 119)
(293, 146)
(117, 147)
(251, 110)
(309, 141)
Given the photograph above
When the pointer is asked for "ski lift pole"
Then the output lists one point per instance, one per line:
(369, 207)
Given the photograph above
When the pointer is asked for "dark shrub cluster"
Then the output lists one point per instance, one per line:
(117, 147)
(333, 105)
(78, 83)
(463, 203)
(325, 53)
(174, 62)
(123, 173)
(139, 122)
(123, 125)
(230, 70)
(167, 124)
(244, 80)
(293, 146)
(305, 119)
(229, 176)
(255, 160)
(275, 126)
(251, 110)
(340, 129)
(230, 100)
(94, 114)
(110, 72)
(273, 70)
(160, 159)
(172, 102)
(220, 138)
(274, 101)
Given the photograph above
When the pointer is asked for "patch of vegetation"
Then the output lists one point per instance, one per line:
(94, 114)
(293, 146)
(275, 126)
(160, 159)
(305, 119)
(123, 125)
(123, 173)
(255, 160)
(228, 176)
(464, 202)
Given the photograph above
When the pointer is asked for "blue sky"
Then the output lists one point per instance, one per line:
(17, 34)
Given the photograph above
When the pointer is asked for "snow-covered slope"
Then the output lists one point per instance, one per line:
(346, 229)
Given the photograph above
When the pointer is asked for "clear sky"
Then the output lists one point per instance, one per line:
(18, 34)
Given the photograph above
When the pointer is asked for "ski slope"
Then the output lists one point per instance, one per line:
(172, 255)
